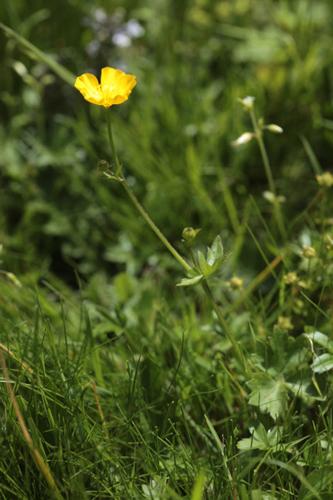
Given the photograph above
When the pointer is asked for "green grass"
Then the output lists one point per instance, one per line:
(115, 382)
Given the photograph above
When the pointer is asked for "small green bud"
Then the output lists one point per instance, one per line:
(235, 283)
(189, 233)
(284, 323)
(325, 179)
(290, 278)
(309, 252)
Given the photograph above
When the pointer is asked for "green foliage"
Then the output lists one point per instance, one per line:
(323, 362)
(131, 387)
(261, 440)
(205, 267)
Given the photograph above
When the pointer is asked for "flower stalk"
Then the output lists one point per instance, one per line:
(121, 179)
(223, 322)
(268, 171)
(153, 226)
(186, 266)
(112, 146)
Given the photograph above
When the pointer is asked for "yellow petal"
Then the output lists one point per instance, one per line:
(116, 86)
(89, 87)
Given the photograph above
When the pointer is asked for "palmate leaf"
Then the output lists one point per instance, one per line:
(211, 263)
(323, 363)
(320, 339)
(269, 394)
(215, 252)
(261, 439)
(302, 390)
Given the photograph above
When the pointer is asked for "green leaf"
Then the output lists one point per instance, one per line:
(320, 339)
(210, 264)
(216, 252)
(301, 390)
(323, 363)
(269, 394)
(295, 360)
(203, 264)
(261, 439)
(190, 281)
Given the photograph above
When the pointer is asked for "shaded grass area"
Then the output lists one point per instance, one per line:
(128, 386)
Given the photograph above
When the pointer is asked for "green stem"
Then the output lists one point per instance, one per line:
(168, 245)
(263, 152)
(223, 322)
(153, 226)
(268, 172)
(112, 146)
(138, 205)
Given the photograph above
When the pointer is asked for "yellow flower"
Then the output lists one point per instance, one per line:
(115, 87)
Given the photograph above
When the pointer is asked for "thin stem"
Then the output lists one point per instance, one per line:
(153, 226)
(112, 146)
(268, 171)
(138, 205)
(223, 322)
(264, 155)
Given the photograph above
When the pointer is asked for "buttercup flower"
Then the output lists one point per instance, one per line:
(114, 88)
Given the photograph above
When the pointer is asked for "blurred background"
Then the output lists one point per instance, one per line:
(193, 60)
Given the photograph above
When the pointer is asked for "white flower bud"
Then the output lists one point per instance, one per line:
(272, 198)
(248, 102)
(275, 129)
(20, 68)
(243, 139)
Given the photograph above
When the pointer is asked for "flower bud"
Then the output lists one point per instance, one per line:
(290, 278)
(247, 102)
(272, 198)
(275, 129)
(243, 139)
(235, 283)
(284, 323)
(325, 179)
(189, 233)
(309, 252)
